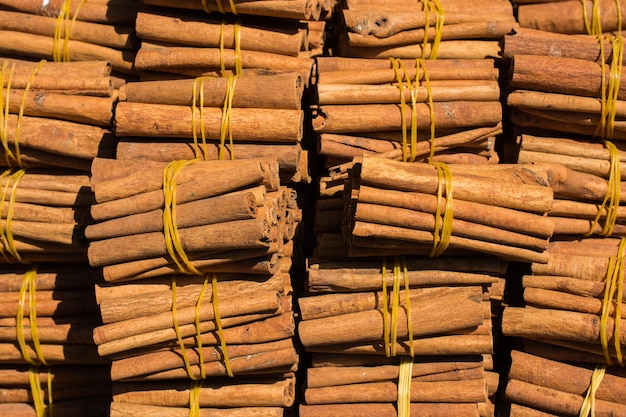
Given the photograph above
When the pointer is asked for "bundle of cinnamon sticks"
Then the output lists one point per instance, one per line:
(196, 44)
(445, 110)
(571, 301)
(345, 324)
(62, 30)
(44, 214)
(539, 386)
(184, 119)
(49, 360)
(594, 207)
(55, 114)
(394, 207)
(443, 29)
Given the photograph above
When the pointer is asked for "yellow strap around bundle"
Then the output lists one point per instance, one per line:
(613, 293)
(433, 6)
(197, 106)
(63, 30)
(179, 336)
(390, 320)
(220, 330)
(226, 125)
(405, 374)
(589, 403)
(194, 398)
(37, 392)
(9, 194)
(443, 221)
(29, 288)
(611, 201)
(170, 227)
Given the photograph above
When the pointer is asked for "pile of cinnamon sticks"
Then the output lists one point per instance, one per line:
(61, 30)
(49, 360)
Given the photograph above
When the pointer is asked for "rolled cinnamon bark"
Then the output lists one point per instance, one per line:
(368, 94)
(81, 77)
(293, 9)
(380, 117)
(103, 12)
(95, 111)
(452, 49)
(123, 409)
(173, 59)
(567, 16)
(526, 41)
(281, 91)
(138, 119)
(389, 410)
(118, 37)
(37, 46)
(434, 392)
(238, 393)
(536, 73)
(256, 35)
(53, 354)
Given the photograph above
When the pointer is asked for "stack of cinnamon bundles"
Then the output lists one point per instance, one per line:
(446, 110)
(195, 38)
(363, 319)
(442, 29)
(65, 30)
(211, 118)
(214, 319)
(49, 360)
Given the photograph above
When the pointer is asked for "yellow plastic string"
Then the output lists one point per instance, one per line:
(20, 116)
(7, 247)
(198, 92)
(194, 398)
(405, 274)
(237, 35)
(36, 391)
(400, 85)
(6, 75)
(49, 384)
(436, 7)
(413, 90)
(613, 282)
(222, 35)
(395, 306)
(431, 109)
(29, 286)
(179, 336)
(197, 321)
(385, 301)
(225, 125)
(405, 374)
(220, 331)
(443, 223)
(63, 29)
(170, 227)
(205, 6)
(589, 403)
(617, 45)
(611, 200)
